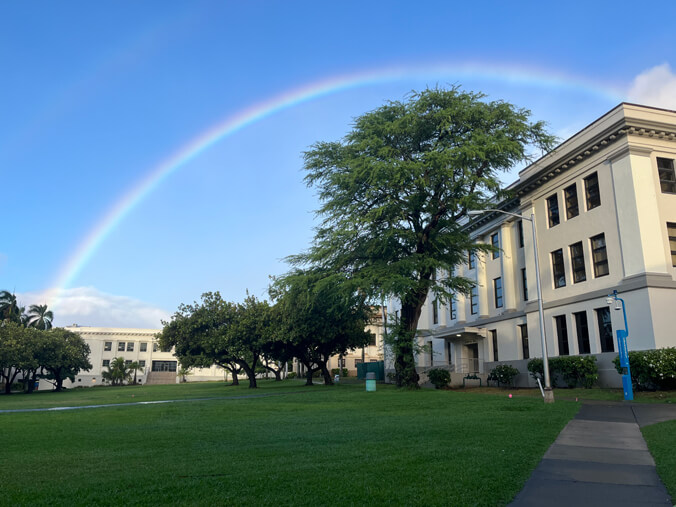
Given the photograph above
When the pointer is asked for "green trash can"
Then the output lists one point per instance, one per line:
(370, 381)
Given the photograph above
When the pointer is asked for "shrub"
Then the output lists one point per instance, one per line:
(341, 371)
(574, 370)
(503, 374)
(291, 374)
(651, 369)
(536, 369)
(440, 378)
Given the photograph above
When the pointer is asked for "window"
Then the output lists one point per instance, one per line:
(120, 346)
(435, 312)
(524, 340)
(558, 269)
(130, 346)
(553, 210)
(524, 284)
(605, 329)
(449, 349)
(599, 255)
(106, 363)
(494, 336)
(144, 346)
(474, 300)
(591, 187)
(127, 362)
(107, 346)
(453, 307)
(519, 227)
(671, 232)
(582, 332)
(495, 241)
(156, 347)
(577, 259)
(471, 263)
(570, 195)
(665, 168)
(142, 363)
(497, 291)
(562, 334)
(372, 339)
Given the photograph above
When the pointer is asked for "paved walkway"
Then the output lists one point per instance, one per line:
(600, 458)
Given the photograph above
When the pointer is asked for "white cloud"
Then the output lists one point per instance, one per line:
(655, 87)
(88, 306)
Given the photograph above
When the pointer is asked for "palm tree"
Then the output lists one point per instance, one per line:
(9, 307)
(39, 317)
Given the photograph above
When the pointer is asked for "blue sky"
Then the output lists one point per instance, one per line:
(95, 95)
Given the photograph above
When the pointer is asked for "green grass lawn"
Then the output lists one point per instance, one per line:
(583, 394)
(309, 446)
(661, 440)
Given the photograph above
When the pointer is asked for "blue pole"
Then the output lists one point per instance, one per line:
(624, 352)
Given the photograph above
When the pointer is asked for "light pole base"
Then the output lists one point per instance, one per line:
(549, 395)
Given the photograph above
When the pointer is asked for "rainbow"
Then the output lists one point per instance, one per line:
(288, 99)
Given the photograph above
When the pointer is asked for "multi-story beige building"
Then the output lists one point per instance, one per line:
(604, 205)
(134, 345)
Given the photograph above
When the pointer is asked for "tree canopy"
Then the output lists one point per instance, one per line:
(394, 190)
(319, 315)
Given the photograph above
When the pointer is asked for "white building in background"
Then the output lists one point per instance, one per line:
(604, 203)
(134, 345)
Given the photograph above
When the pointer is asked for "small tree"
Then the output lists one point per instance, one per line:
(503, 374)
(118, 372)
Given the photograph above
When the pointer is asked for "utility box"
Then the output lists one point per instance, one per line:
(370, 382)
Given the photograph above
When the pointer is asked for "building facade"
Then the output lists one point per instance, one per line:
(604, 208)
(134, 345)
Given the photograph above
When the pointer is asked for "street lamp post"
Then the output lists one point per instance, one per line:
(549, 394)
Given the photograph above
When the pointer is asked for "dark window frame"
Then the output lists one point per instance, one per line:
(671, 237)
(666, 174)
(435, 311)
(558, 268)
(599, 255)
(524, 284)
(592, 191)
(553, 214)
(497, 292)
(562, 334)
(519, 228)
(582, 330)
(471, 260)
(107, 346)
(524, 341)
(577, 262)
(570, 198)
(474, 300)
(605, 327)
(495, 242)
(453, 309)
(121, 346)
(494, 337)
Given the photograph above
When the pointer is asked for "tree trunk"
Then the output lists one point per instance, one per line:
(326, 373)
(404, 362)
(250, 372)
(308, 376)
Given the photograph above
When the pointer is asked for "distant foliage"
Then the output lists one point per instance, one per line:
(339, 371)
(291, 375)
(439, 377)
(503, 374)
(651, 369)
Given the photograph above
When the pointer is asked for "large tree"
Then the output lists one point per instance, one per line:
(319, 315)
(394, 190)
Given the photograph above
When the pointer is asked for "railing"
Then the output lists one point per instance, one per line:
(471, 365)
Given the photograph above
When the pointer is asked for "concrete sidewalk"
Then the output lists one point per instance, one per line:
(600, 458)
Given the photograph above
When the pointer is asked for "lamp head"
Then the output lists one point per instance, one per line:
(475, 212)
